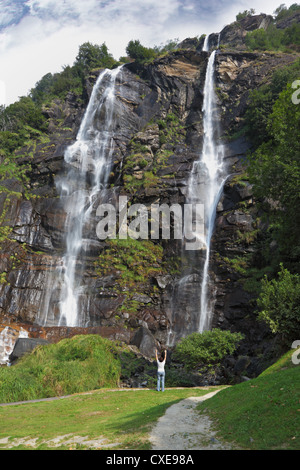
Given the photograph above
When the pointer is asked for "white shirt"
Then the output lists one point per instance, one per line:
(161, 366)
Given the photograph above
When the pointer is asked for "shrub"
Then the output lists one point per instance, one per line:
(206, 350)
(139, 53)
(81, 363)
(279, 305)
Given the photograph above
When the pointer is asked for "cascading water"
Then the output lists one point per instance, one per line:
(205, 186)
(89, 164)
(205, 47)
(211, 162)
(212, 159)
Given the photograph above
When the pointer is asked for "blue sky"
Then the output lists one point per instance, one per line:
(40, 36)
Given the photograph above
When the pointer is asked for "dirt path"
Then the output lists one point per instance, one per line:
(182, 428)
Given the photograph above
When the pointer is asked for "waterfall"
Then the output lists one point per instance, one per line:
(88, 161)
(205, 47)
(191, 300)
(204, 187)
(211, 163)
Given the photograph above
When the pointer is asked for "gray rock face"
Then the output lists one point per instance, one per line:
(145, 341)
(158, 135)
(25, 345)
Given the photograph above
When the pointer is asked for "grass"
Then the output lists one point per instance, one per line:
(263, 413)
(122, 417)
(259, 414)
(81, 363)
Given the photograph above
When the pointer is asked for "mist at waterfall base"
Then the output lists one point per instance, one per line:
(91, 154)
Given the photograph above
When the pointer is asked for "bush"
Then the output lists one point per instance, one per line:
(206, 350)
(84, 362)
(279, 304)
(139, 53)
(262, 100)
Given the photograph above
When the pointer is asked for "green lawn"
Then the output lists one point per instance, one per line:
(263, 413)
(124, 417)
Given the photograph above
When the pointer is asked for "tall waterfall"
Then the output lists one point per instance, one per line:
(210, 166)
(88, 161)
(192, 298)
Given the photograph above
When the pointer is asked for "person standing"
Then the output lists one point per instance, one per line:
(161, 370)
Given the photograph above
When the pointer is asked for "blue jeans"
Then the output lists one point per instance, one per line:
(161, 377)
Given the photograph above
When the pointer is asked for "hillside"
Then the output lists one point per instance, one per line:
(261, 414)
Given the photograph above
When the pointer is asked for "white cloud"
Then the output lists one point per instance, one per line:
(51, 31)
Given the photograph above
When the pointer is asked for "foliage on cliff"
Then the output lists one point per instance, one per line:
(279, 304)
(274, 37)
(275, 172)
(273, 120)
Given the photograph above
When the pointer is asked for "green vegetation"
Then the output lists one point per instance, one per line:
(244, 14)
(171, 129)
(262, 413)
(132, 262)
(135, 259)
(142, 166)
(90, 56)
(123, 418)
(258, 120)
(274, 38)
(206, 350)
(259, 414)
(19, 122)
(275, 172)
(272, 124)
(141, 54)
(73, 365)
(279, 305)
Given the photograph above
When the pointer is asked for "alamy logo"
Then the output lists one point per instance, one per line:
(295, 358)
(159, 221)
(296, 94)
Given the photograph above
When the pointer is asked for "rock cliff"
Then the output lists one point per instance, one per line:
(157, 139)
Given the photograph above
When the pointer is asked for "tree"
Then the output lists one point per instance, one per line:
(261, 101)
(291, 35)
(139, 53)
(274, 169)
(18, 122)
(42, 88)
(244, 14)
(91, 56)
(279, 305)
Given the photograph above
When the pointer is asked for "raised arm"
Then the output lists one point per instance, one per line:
(156, 355)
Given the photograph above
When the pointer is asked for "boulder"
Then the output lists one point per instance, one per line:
(145, 341)
(25, 345)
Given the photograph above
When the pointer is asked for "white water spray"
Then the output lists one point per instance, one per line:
(206, 182)
(205, 47)
(89, 163)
